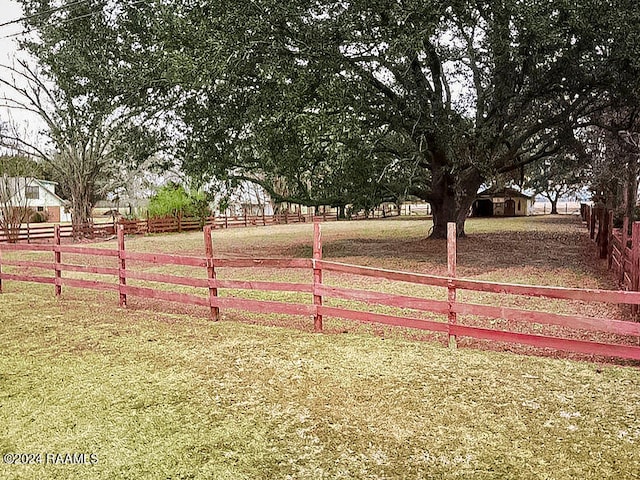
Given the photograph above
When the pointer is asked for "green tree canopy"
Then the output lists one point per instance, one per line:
(335, 100)
(554, 178)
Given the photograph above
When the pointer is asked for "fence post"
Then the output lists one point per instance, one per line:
(603, 234)
(625, 231)
(211, 273)
(122, 266)
(451, 272)
(610, 240)
(592, 225)
(625, 240)
(57, 260)
(317, 275)
(0, 269)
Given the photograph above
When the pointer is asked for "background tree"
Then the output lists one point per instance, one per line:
(383, 73)
(609, 150)
(608, 139)
(85, 141)
(554, 178)
(173, 200)
(630, 159)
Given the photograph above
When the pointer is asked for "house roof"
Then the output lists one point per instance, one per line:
(502, 192)
(21, 183)
(50, 187)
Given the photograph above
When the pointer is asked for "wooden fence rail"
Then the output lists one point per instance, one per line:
(616, 245)
(184, 224)
(38, 233)
(457, 317)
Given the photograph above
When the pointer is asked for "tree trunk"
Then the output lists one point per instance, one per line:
(451, 209)
(554, 206)
(81, 206)
(631, 190)
(443, 212)
(451, 200)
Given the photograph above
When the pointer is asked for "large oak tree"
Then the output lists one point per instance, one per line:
(336, 99)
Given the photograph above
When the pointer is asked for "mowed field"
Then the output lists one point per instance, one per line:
(159, 391)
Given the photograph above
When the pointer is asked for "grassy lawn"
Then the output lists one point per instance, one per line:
(170, 395)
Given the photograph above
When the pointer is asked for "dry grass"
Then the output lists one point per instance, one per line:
(170, 395)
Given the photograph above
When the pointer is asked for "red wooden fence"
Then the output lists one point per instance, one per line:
(319, 294)
(39, 233)
(184, 224)
(621, 250)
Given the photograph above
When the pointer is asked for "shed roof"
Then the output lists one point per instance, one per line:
(502, 192)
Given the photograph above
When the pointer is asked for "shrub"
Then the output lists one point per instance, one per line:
(39, 217)
(174, 201)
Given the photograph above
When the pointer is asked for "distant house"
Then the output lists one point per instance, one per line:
(250, 207)
(40, 196)
(503, 202)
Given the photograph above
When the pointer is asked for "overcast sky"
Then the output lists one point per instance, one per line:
(9, 11)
